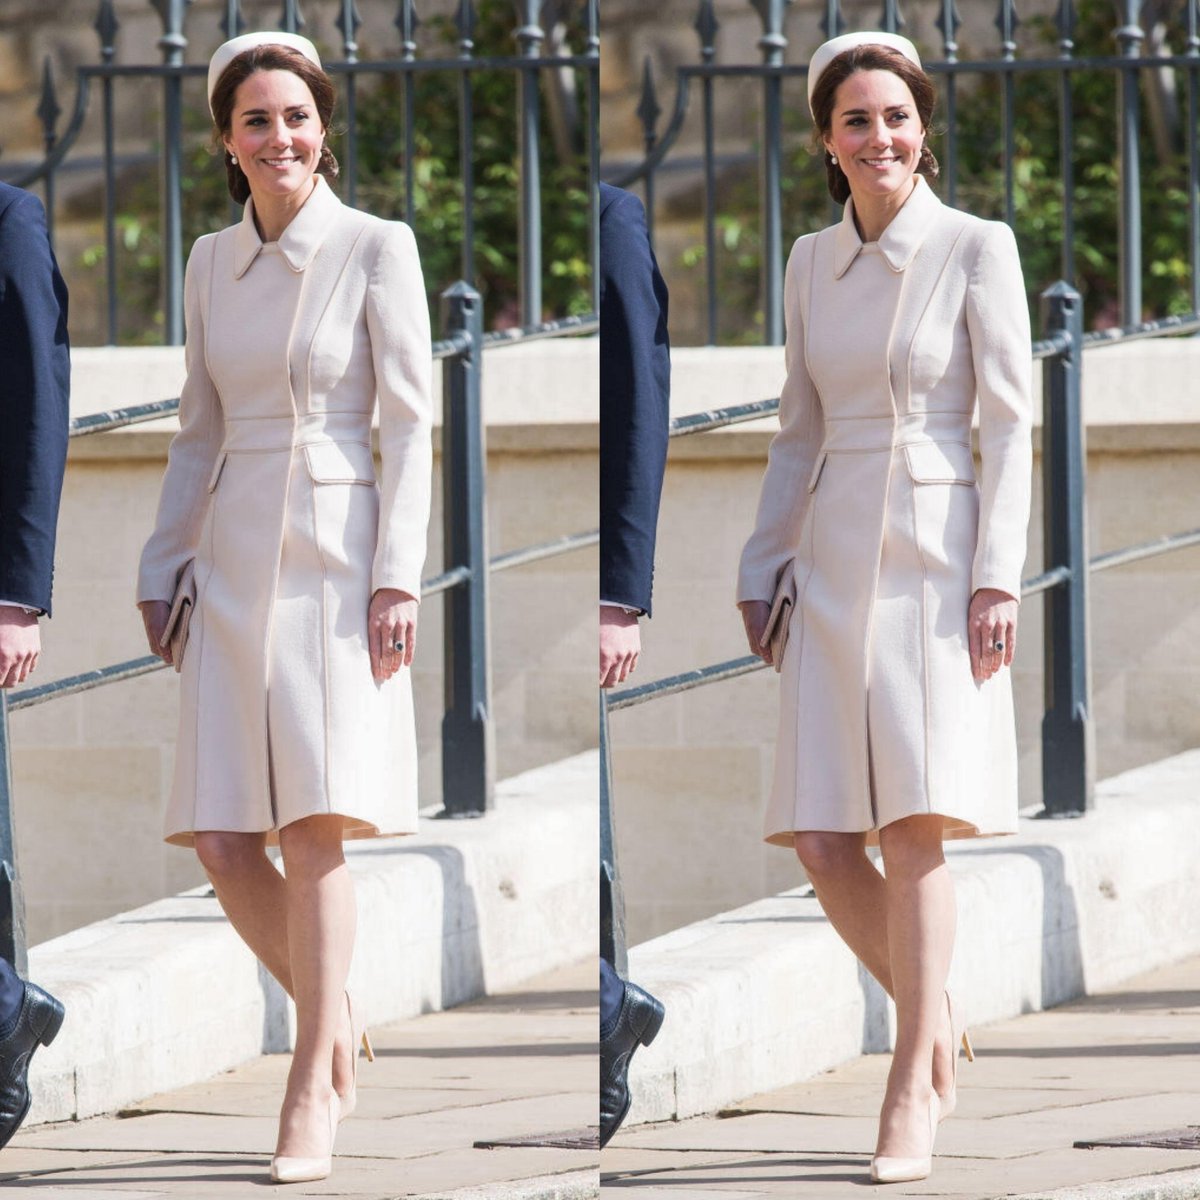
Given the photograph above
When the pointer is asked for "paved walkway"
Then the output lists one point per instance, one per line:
(1122, 1063)
(513, 1065)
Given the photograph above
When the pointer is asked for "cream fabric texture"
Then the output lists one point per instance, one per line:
(871, 488)
(271, 485)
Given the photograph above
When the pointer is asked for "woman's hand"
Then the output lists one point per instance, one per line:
(391, 621)
(754, 617)
(991, 621)
(155, 614)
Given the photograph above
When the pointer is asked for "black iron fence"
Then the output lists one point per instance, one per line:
(468, 756)
(531, 65)
(1068, 762)
(1131, 65)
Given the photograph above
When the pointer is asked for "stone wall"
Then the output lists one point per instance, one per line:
(692, 770)
(90, 772)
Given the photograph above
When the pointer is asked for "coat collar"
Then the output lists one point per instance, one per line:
(900, 240)
(300, 240)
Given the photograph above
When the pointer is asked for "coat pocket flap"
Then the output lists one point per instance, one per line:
(340, 462)
(216, 471)
(940, 462)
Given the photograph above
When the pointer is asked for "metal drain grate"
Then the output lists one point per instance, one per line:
(1187, 1138)
(571, 1139)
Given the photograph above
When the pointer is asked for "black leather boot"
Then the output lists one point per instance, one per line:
(638, 1023)
(38, 1023)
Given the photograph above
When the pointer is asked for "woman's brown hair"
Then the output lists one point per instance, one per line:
(269, 58)
(869, 58)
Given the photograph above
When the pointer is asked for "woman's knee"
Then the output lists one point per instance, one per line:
(311, 846)
(225, 855)
(912, 846)
(823, 853)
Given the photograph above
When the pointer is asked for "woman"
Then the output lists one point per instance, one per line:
(896, 721)
(296, 721)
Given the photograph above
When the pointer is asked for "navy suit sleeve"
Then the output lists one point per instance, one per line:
(35, 378)
(635, 387)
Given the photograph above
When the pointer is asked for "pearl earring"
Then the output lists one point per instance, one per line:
(233, 159)
(832, 159)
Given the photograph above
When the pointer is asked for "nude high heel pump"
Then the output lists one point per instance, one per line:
(358, 1037)
(286, 1169)
(958, 1037)
(885, 1169)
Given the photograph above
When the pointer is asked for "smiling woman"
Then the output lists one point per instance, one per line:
(902, 569)
(296, 715)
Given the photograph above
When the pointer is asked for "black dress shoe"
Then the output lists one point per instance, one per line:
(638, 1023)
(38, 1023)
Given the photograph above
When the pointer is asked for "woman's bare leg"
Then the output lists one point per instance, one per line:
(920, 926)
(253, 895)
(320, 927)
(853, 895)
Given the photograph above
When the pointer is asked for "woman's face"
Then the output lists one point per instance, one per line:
(275, 133)
(876, 133)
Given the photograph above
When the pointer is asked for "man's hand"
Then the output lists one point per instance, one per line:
(620, 644)
(20, 644)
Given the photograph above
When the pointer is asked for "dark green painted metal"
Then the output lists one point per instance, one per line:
(468, 753)
(12, 902)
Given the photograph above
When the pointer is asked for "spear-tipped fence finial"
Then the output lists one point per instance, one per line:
(947, 23)
(233, 23)
(1064, 19)
(407, 22)
(1006, 22)
(347, 24)
(706, 26)
(48, 109)
(464, 23)
(892, 19)
(106, 27)
(648, 110)
(833, 22)
(292, 19)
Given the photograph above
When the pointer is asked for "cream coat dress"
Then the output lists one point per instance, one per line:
(271, 486)
(871, 488)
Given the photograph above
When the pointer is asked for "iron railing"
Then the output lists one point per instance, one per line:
(773, 71)
(468, 755)
(531, 65)
(1068, 759)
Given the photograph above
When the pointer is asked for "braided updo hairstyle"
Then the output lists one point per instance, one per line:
(269, 58)
(869, 58)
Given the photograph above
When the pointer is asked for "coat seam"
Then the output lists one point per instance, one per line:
(325, 711)
(925, 706)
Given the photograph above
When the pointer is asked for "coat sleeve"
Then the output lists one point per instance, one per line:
(1001, 349)
(793, 452)
(35, 378)
(192, 457)
(398, 324)
(635, 400)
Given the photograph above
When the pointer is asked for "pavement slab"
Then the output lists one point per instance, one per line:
(1124, 1061)
(518, 1063)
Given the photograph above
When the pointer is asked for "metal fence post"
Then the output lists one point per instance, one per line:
(530, 37)
(172, 43)
(612, 899)
(468, 758)
(12, 902)
(773, 43)
(1068, 761)
(1130, 36)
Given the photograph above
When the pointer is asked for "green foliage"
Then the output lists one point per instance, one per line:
(438, 201)
(1037, 187)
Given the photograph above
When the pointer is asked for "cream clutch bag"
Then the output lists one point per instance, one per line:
(176, 633)
(780, 618)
